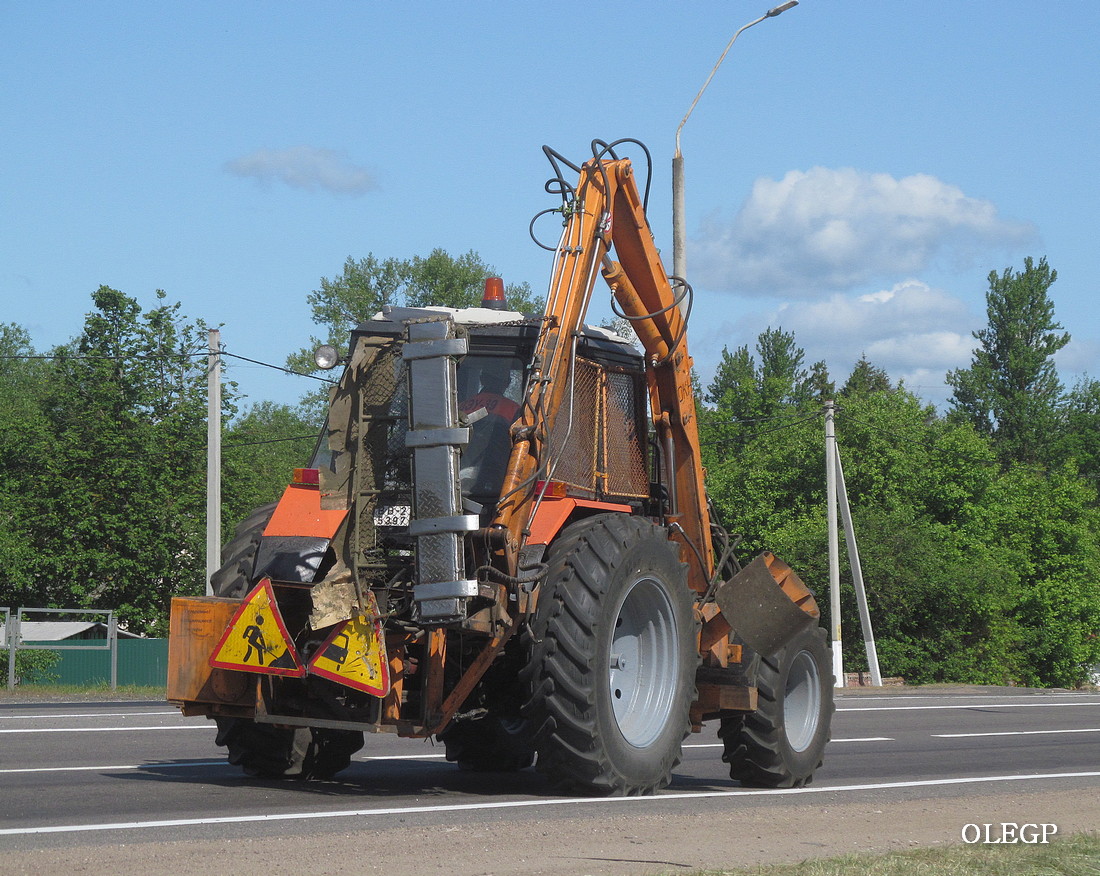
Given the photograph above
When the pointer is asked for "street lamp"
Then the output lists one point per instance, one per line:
(679, 233)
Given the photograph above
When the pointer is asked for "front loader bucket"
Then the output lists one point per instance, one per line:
(767, 604)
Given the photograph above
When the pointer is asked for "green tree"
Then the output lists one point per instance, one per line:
(1046, 526)
(458, 281)
(733, 388)
(866, 378)
(746, 390)
(1011, 390)
(367, 285)
(261, 449)
(1078, 438)
(975, 572)
(820, 387)
(120, 507)
(24, 455)
(749, 391)
(782, 380)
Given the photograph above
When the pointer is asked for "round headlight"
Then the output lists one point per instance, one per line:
(326, 357)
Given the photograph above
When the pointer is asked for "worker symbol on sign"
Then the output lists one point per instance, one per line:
(257, 639)
(254, 635)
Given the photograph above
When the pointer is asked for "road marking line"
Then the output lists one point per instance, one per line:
(125, 766)
(368, 757)
(865, 739)
(89, 715)
(363, 759)
(853, 739)
(524, 804)
(1013, 733)
(972, 706)
(105, 729)
(195, 763)
(928, 696)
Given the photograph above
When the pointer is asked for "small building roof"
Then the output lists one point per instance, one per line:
(59, 631)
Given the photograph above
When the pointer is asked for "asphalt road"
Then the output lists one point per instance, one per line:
(100, 777)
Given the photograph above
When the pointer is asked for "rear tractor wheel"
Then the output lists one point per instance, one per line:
(489, 744)
(611, 675)
(264, 750)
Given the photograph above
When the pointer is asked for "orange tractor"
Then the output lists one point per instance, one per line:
(504, 541)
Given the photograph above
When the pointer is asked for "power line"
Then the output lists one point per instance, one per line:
(278, 368)
(793, 421)
(163, 358)
(68, 358)
(929, 445)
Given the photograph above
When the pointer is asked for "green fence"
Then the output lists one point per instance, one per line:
(140, 662)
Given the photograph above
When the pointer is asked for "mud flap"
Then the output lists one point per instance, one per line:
(766, 604)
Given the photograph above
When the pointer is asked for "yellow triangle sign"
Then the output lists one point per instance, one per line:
(256, 639)
(354, 654)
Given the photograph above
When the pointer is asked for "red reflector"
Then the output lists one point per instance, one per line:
(307, 476)
(553, 489)
(494, 294)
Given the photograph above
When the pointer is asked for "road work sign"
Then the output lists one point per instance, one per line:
(355, 653)
(256, 639)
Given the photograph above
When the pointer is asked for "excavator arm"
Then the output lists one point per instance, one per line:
(605, 217)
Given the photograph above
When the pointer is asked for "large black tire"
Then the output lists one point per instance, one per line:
(611, 673)
(489, 744)
(234, 578)
(782, 743)
(263, 749)
(271, 752)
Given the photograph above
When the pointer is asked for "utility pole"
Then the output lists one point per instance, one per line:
(679, 229)
(839, 679)
(213, 458)
(857, 576)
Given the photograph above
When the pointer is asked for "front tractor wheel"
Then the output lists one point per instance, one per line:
(782, 743)
(611, 675)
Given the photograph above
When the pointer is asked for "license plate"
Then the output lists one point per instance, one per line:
(392, 515)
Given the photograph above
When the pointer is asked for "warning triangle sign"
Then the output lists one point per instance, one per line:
(256, 639)
(355, 653)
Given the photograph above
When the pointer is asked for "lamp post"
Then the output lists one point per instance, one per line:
(679, 233)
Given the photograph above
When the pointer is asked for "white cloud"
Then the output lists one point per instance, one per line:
(906, 329)
(304, 167)
(826, 229)
(914, 332)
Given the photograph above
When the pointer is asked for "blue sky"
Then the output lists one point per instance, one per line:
(854, 171)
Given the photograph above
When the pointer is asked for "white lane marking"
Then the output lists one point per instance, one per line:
(88, 715)
(124, 766)
(523, 804)
(364, 759)
(194, 763)
(928, 696)
(369, 757)
(865, 739)
(1014, 733)
(105, 729)
(853, 739)
(972, 706)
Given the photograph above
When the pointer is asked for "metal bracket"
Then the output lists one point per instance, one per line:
(436, 437)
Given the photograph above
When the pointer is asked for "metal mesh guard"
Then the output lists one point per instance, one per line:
(624, 451)
(573, 442)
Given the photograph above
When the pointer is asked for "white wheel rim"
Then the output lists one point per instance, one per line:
(642, 662)
(802, 701)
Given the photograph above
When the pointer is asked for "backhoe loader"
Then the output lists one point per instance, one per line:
(504, 541)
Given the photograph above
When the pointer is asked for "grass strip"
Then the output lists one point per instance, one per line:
(1074, 855)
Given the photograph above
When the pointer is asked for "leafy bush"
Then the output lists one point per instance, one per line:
(31, 667)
